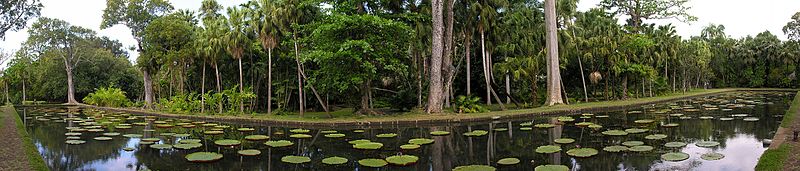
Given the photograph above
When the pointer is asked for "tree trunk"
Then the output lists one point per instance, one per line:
(535, 97)
(508, 88)
(24, 96)
(435, 87)
(553, 73)
(148, 89)
(269, 81)
(301, 99)
(241, 85)
(203, 90)
(219, 87)
(447, 57)
(485, 69)
(365, 99)
(467, 45)
(625, 87)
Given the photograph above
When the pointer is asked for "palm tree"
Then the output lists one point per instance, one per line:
(235, 40)
(263, 22)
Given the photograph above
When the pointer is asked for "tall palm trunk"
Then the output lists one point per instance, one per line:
(269, 80)
(435, 87)
(467, 45)
(485, 69)
(241, 85)
(219, 87)
(300, 99)
(203, 89)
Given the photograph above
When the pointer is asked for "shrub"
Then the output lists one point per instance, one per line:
(108, 97)
(181, 103)
(468, 104)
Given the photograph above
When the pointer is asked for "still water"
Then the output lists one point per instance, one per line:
(740, 141)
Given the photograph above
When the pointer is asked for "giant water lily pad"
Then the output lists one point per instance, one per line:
(475, 168)
(299, 130)
(644, 121)
(180, 135)
(111, 134)
(245, 129)
(547, 149)
(295, 159)
(335, 160)
(75, 142)
(641, 148)
(679, 156)
(328, 131)
(102, 138)
(508, 161)
(188, 141)
(368, 146)
(279, 143)
(402, 160)
(525, 128)
(675, 144)
(750, 119)
(726, 119)
(386, 135)
(420, 141)
(161, 146)
(359, 141)
(151, 139)
(300, 136)
(551, 168)
(655, 137)
(476, 133)
(707, 144)
(203, 157)
(712, 156)
(409, 146)
(583, 123)
(564, 140)
(133, 135)
(256, 137)
(632, 143)
(187, 146)
(373, 162)
(544, 125)
(615, 148)
(335, 135)
(72, 134)
(615, 133)
(227, 142)
(565, 119)
(582, 152)
(249, 152)
(441, 133)
(670, 125)
(212, 132)
(636, 130)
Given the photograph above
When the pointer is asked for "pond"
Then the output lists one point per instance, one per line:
(735, 126)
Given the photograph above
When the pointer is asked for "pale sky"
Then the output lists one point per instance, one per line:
(740, 17)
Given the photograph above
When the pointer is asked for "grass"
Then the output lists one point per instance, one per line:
(34, 158)
(788, 118)
(773, 159)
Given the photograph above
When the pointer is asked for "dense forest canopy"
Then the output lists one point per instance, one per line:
(372, 56)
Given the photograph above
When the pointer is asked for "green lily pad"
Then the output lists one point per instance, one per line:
(544, 125)
(151, 139)
(203, 157)
(508, 161)
(595, 126)
(368, 146)
(712, 156)
(550, 167)
(245, 129)
(358, 131)
(675, 144)
(547, 149)
(583, 123)
(641, 148)
(615, 133)
(476, 133)
(73, 134)
(644, 121)
(564, 140)
(180, 135)
(300, 136)
(249, 152)
(295, 159)
(402, 160)
(706, 117)
(669, 125)
(565, 119)
(73, 138)
(726, 119)
(297, 131)
(373, 162)
(111, 134)
(655, 137)
(102, 138)
(256, 137)
(420, 141)
(161, 146)
(187, 146)
(615, 148)
(335, 160)
(526, 124)
(75, 142)
(146, 143)
(133, 135)
(582, 152)
(475, 168)
(500, 129)
(334, 135)
(525, 128)
(409, 146)
(632, 143)
(679, 156)
(440, 133)
(359, 141)
(328, 132)
(750, 119)
(213, 132)
(707, 144)
(279, 143)
(188, 141)
(128, 149)
(227, 142)
(636, 130)
(386, 135)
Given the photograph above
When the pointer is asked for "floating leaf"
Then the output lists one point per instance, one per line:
(373, 162)
(712, 156)
(299, 130)
(508, 161)
(632, 143)
(212, 132)
(565, 119)
(474, 168)
(151, 139)
(300, 136)
(279, 143)
(161, 146)
(441, 133)
(187, 146)
(544, 125)
(256, 137)
(551, 168)
(402, 160)
(525, 128)
(644, 121)
(111, 134)
(227, 142)
(128, 149)
(564, 140)
(679, 156)
(547, 149)
(334, 160)
(245, 129)
(675, 144)
(334, 135)
(583, 124)
(75, 142)
(368, 146)
(615, 133)
(386, 135)
(706, 144)
(189, 141)
(203, 157)
(526, 124)
(669, 125)
(655, 137)
(295, 159)
(726, 119)
(582, 152)
(615, 148)
(328, 132)
(102, 138)
(636, 130)
(133, 135)
(420, 141)
(476, 133)
(500, 129)
(249, 152)
(359, 141)
(641, 148)
(750, 119)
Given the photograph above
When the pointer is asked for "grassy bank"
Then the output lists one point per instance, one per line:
(788, 118)
(774, 159)
(35, 160)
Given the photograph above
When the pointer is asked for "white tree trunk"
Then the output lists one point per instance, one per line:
(269, 80)
(435, 87)
(553, 73)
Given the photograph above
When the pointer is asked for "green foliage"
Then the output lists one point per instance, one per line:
(108, 97)
(774, 159)
(16, 13)
(468, 104)
(182, 103)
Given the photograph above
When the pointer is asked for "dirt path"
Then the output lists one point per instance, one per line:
(12, 151)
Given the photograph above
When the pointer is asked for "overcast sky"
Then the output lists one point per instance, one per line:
(740, 17)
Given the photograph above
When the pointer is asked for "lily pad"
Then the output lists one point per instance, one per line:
(227, 142)
(712, 156)
(707, 144)
(335, 135)
(615, 133)
(420, 141)
(565, 119)
(328, 131)
(595, 126)
(299, 131)
(750, 119)
(508, 161)
(373, 162)
(655, 137)
(402, 160)
(213, 132)
(564, 140)
(706, 117)
(189, 141)
(544, 125)
(133, 135)
(368, 146)
(249, 152)
(102, 138)
(525, 128)
(632, 143)
(615, 148)
(476, 133)
(295, 159)
(726, 119)
(386, 135)
(245, 129)
(582, 152)
(279, 143)
(500, 129)
(335, 160)
(679, 156)
(547, 149)
(203, 157)
(111, 134)
(187, 146)
(526, 124)
(300, 136)
(669, 125)
(75, 142)
(583, 123)
(359, 141)
(150, 139)
(641, 148)
(256, 137)
(550, 167)
(161, 146)
(636, 130)
(441, 133)
(644, 121)
(128, 149)
(675, 144)
(72, 134)
(475, 168)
